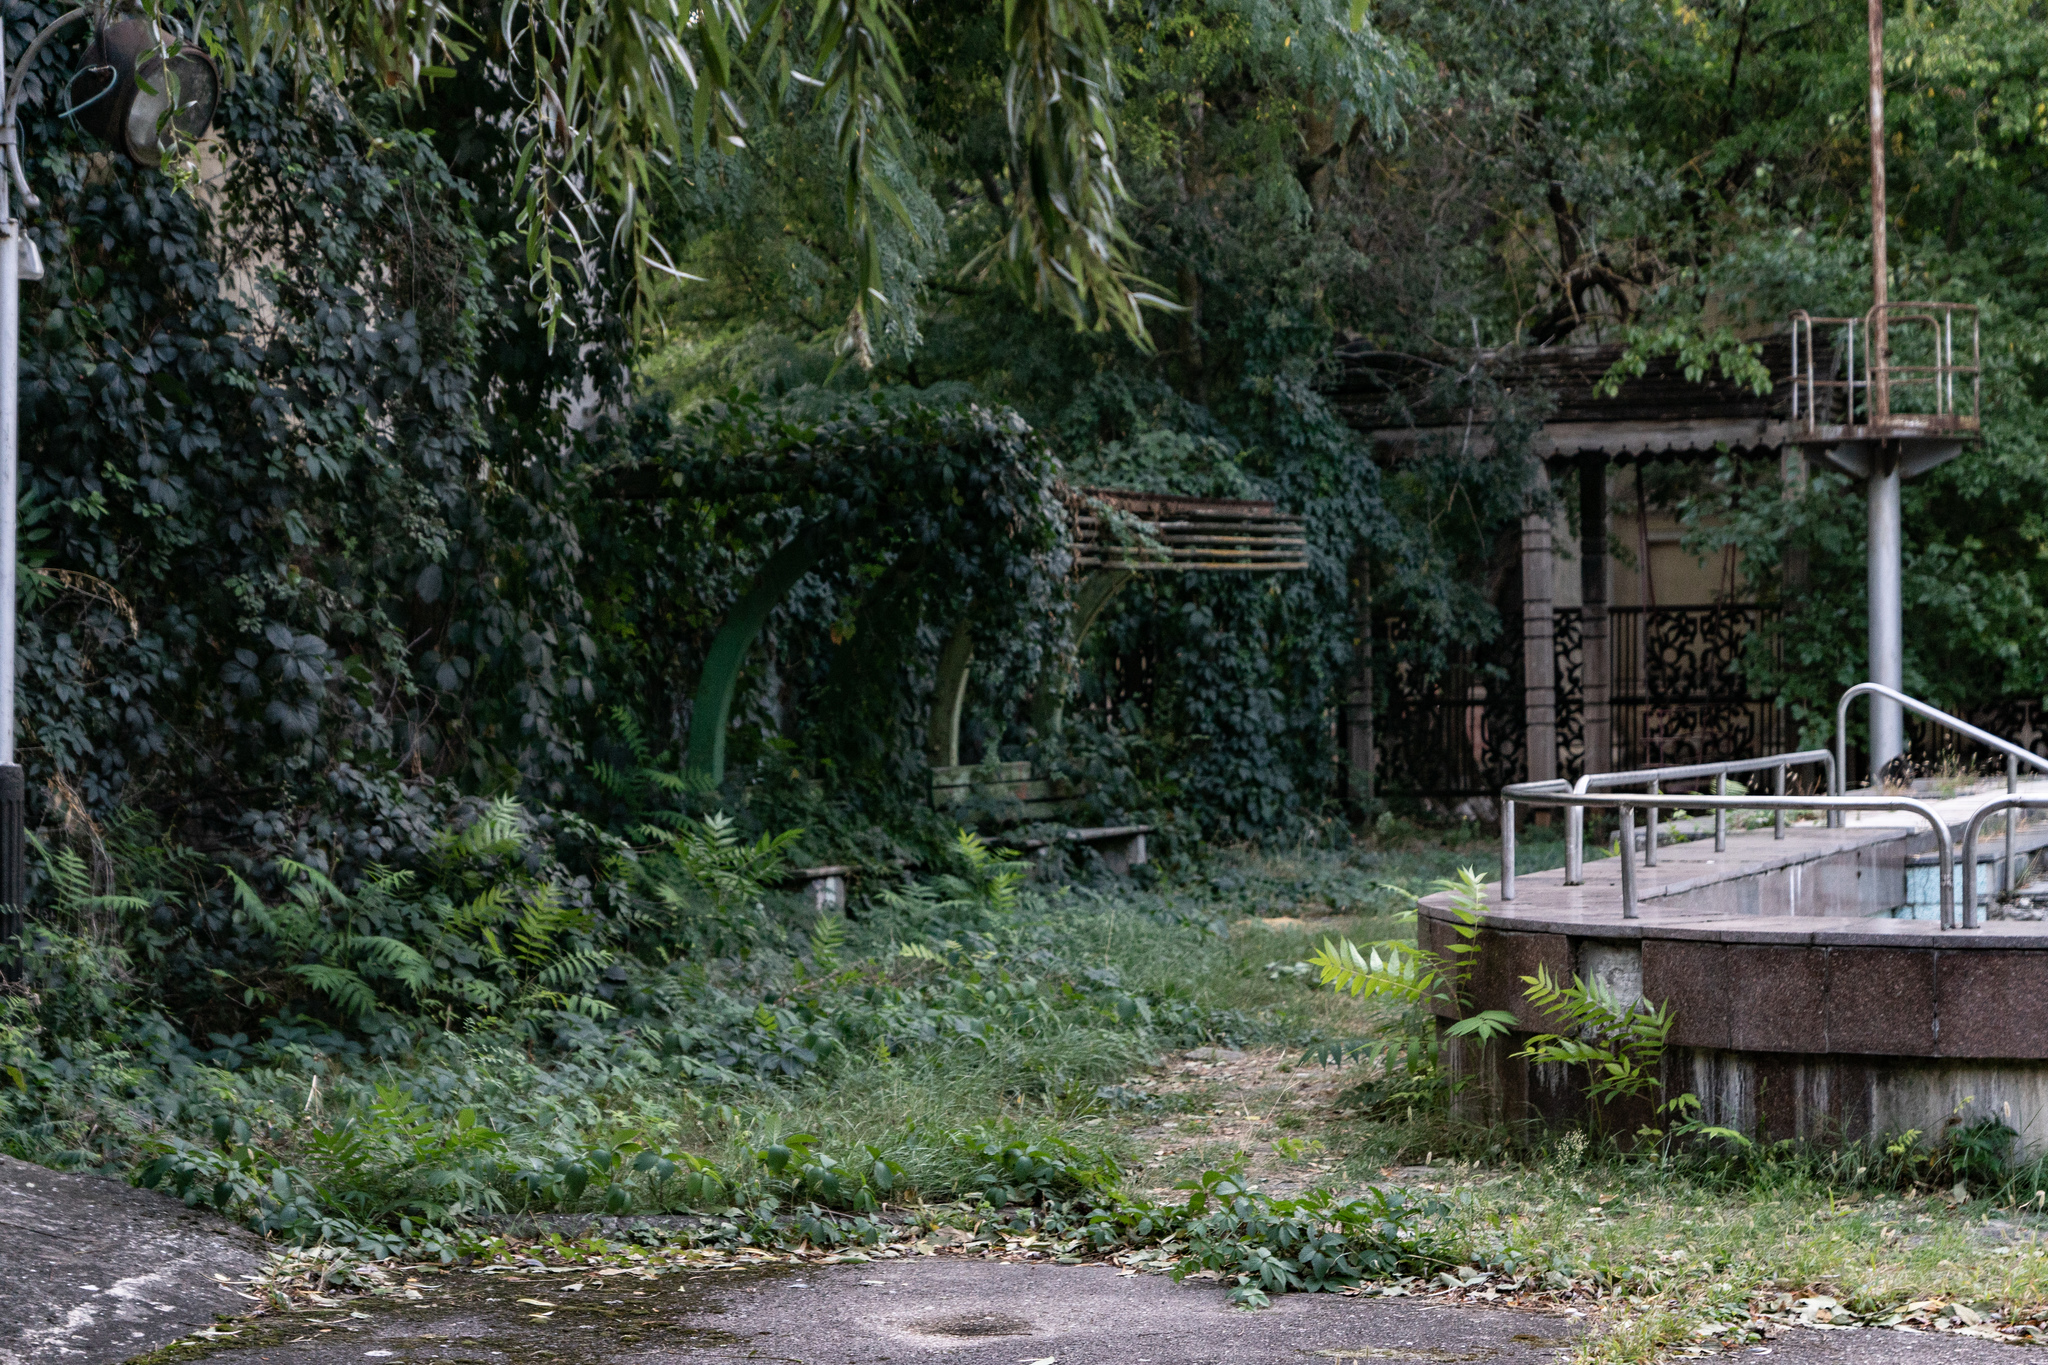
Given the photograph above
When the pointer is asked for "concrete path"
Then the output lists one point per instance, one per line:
(94, 1271)
(956, 1311)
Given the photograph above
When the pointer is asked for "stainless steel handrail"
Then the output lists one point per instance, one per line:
(1968, 865)
(1575, 821)
(1629, 803)
(2016, 753)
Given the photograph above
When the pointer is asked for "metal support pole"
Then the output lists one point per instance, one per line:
(1887, 658)
(2012, 787)
(1650, 831)
(13, 872)
(1879, 397)
(1720, 816)
(1507, 850)
(1575, 846)
(1778, 789)
(1628, 862)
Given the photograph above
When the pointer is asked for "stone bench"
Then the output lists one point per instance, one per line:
(825, 886)
(1121, 847)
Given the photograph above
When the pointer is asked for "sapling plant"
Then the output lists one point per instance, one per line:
(1418, 980)
(1620, 1048)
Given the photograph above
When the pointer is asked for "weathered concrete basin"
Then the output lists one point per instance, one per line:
(1804, 1007)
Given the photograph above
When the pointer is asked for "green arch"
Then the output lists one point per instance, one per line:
(712, 711)
(1048, 707)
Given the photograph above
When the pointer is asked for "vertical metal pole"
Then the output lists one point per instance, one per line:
(1628, 862)
(1575, 846)
(1507, 850)
(1778, 789)
(1887, 722)
(1650, 832)
(1721, 815)
(1887, 644)
(1880, 396)
(2012, 787)
(13, 871)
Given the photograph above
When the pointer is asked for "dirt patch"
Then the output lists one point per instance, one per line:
(972, 1325)
(1216, 1102)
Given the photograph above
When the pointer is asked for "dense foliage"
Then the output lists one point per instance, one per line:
(370, 588)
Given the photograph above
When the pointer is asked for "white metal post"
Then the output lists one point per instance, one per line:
(13, 869)
(1887, 640)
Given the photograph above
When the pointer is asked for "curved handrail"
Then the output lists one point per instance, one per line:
(1575, 852)
(1920, 708)
(1629, 803)
(1967, 866)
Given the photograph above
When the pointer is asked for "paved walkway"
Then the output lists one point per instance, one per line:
(955, 1311)
(94, 1270)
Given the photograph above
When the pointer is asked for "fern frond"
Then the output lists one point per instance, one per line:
(289, 926)
(402, 960)
(610, 778)
(495, 833)
(827, 938)
(487, 908)
(318, 882)
(580, 965)
(68, 874)
(632, 736)
(349, 992)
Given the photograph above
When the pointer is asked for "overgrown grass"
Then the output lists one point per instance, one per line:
(938, 1048)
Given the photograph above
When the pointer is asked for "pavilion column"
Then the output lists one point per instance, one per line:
(1539, 643)
(1596, 668)
(1792, 470)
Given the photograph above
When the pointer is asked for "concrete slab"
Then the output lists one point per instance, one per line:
(955, 1311)
(93, 1271)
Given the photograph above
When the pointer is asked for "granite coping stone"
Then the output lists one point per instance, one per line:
(1803, 931)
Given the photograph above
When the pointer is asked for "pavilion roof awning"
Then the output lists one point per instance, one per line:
(1399, 401)
(1162, 532)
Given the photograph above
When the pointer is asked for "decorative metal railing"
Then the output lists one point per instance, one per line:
(1914, 387)
(1676, 695)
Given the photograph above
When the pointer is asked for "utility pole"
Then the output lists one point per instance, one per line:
(1886, 537)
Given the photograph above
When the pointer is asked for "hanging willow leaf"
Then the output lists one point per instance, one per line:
(1059, 97)
(863, 73)
(611, 93)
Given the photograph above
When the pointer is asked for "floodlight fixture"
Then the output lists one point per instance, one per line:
(143, 92)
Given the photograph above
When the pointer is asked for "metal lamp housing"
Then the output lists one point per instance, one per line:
(132, 76)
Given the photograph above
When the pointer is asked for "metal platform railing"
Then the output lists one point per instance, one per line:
(1575, 798)
(2010, 805)
(1628, 803)
(1917, 389)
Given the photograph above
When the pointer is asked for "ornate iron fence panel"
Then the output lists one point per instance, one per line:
(1454, 732)
(1676, 692)
(1570, 662)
